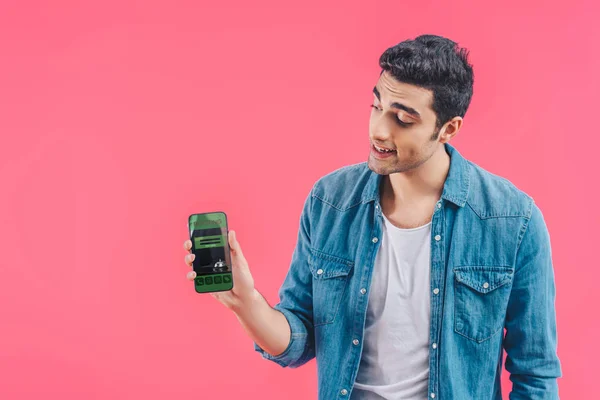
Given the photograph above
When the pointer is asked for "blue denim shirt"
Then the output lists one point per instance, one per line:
(492, 285)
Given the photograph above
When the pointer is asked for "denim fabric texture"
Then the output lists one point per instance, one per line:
(492, 285)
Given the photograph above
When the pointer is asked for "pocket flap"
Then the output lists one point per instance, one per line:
(483, 279)
(323, 265)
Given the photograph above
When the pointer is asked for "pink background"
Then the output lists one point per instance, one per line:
(118, 121)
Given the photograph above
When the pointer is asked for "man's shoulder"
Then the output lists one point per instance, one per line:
(343, 187)
(492, 195)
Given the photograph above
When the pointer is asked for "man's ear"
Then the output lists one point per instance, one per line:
(450, 129)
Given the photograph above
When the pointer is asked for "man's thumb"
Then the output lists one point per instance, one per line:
(238, 256)
(235, 246)
(232, 241)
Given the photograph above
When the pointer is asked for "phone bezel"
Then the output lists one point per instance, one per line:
(227, 239)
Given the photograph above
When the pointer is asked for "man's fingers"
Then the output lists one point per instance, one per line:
(189, 258)
(187, 245)
(191, 275)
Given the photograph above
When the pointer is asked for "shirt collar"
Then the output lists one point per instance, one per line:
(456, 186)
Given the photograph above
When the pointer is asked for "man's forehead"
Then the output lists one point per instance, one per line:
(389, 87)
(413, 99)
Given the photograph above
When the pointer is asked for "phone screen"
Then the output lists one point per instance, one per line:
(212, 262)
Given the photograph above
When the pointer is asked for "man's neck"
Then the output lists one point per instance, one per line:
(420, 185)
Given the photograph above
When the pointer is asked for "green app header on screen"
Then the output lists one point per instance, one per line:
(207, 221)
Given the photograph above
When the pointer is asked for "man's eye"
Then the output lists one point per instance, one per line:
(400, 122)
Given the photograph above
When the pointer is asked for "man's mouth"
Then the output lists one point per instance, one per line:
(383, 150)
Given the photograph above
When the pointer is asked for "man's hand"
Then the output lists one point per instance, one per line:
(243, 291)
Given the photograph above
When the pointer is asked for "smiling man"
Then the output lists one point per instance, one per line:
(415, 269)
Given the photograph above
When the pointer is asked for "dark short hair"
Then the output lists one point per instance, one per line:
(435, 63)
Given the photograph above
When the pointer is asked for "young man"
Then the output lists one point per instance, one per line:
(413, 270)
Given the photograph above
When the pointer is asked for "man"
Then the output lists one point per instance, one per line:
(413, 270)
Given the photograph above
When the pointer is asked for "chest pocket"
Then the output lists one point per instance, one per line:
(481, 296)
(330, 278)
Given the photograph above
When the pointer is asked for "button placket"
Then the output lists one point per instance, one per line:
(437, 284)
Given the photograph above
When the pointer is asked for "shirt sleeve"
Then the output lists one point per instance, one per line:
(295, 300)
(531, 338)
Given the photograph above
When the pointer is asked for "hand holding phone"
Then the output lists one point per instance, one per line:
(210, 256)
(268, 327)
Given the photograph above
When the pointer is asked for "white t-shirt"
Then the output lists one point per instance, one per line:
(395, 360)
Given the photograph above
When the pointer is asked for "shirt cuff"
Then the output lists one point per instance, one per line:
(297, 344)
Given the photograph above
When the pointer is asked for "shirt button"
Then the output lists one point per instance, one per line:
(363, 291)
(438, 238)
(343, 392)
(375, 240)
(439, 204)
(434, 345)
(436, 291)
(432, 395)
(376, 205)
(319, 271)
(486, 285)
(355, 342)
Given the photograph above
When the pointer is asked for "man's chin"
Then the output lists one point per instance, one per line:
(378, 167)
(384, 168)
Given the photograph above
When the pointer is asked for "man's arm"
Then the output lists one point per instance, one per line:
(531, 337)
(263, 324)
(295, 302)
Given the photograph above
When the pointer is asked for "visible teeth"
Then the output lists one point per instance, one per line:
(384, 150)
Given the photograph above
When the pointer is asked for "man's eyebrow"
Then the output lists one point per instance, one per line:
(398, 106)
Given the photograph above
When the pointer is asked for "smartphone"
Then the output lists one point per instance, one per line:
(210, 244)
